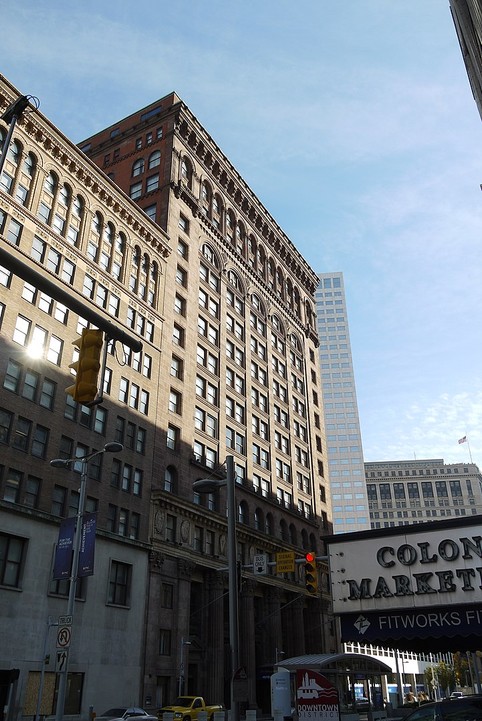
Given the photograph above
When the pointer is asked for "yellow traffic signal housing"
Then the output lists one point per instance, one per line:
(311, 573)
(87, 366)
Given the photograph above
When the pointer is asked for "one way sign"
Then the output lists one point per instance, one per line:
(61, 660)
(260, 564)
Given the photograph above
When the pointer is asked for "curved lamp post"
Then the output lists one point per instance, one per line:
(76, 540)
(210, 485)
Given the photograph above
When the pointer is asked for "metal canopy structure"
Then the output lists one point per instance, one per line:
(337, 663)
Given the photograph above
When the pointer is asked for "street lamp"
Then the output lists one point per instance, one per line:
(76, 541)
(10, 117)
(181, 666)
(210, 485)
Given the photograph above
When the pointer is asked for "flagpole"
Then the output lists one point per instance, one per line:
(465, 439)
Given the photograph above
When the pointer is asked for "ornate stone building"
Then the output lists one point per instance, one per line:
(195, 267)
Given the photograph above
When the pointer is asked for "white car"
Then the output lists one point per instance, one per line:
(122, 713)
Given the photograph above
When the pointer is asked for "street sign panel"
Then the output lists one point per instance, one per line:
(285, 562)
(64, 634)
(260, 564)
(61, 660)
(65, 620)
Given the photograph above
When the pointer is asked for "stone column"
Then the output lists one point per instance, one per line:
(273, 636)
(184, 572)
(213, 652)
(313, 626)
(296, 641)
(247, 649)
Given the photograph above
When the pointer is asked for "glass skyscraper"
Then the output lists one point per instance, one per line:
(343, 436)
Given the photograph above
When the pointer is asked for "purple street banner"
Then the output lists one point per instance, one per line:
(63, 552)
(316, 698)
(87, 545)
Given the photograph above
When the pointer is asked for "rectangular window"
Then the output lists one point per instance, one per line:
(11, 491)
(152, 183)
(164, 642)
(135, 191)
(14, 232)
(12, 551)
(119, 583)
(172, 437)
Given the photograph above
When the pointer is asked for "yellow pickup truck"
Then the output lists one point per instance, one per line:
(187, 708)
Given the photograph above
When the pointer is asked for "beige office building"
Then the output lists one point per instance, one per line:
(401, 493)
(194, 267)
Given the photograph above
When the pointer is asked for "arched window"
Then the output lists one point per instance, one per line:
(29, 164)
(280, 283)
(304, 539)
(271, 274)
(289, 293)
(293, 535)
(252, 251)
(152, 285)
(297, 302)
(78, 206)
(186, 172)
(65, 195)
(310, 316)
(206, 198)
(118, 256)
(284, 532)
(97, 223)
(154, 159)
(93, 244)
(51, 183)
(269, 524)
(243, 513)
(108, 233)
(217, 211)
(261, 262)
(240, 239)
(120, 243)
(170, 479)
(233, 279)
(74, 220)
(295, 343)
(259, 520)
(210, 255)
(138, 167)
(14, 152)
(230, 223)
(257, 304)
(277, 325)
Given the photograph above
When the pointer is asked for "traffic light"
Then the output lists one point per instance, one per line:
(87, 366)
(311, 573)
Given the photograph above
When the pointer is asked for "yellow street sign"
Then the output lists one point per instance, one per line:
(285, 562)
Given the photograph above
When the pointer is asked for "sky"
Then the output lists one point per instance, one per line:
(354, 124)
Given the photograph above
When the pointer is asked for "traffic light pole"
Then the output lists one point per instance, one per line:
(76, 544)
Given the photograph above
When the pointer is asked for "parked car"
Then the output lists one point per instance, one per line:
(456, 694)
(187, 708)
(463, 708)
(122, 713)
(362, 703)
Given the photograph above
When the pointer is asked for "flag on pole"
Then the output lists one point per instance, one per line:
(463, 440)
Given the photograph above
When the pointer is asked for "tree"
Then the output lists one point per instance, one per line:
(462, 669)
(440, 676)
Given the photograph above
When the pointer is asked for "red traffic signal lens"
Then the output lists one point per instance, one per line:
(310, 557)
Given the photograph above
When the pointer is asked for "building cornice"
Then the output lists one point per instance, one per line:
(67, 154)
(230, 183)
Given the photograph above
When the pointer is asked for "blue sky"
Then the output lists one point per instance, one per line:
(354, 123)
